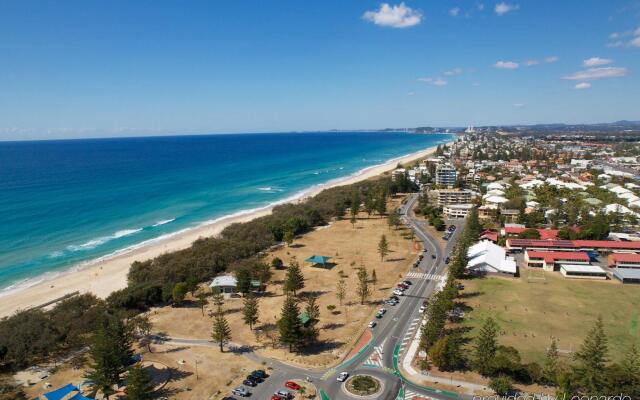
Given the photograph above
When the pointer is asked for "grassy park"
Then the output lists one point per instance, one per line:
(531, 312)
(349, 247)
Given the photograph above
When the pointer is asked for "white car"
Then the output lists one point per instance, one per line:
(398, 292)
(382, 310)
(342, 376)
(240, 391)
(372, 324)
(422, 308)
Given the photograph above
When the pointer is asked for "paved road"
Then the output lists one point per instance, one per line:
(390, 337)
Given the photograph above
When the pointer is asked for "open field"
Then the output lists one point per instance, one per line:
(349, 248)
(529, 314)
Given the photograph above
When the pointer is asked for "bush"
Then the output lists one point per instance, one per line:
(502, 385)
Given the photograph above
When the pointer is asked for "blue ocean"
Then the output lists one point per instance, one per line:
(63, 203)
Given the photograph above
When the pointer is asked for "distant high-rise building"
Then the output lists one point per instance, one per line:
(446, 175)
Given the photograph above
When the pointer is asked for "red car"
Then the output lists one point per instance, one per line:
(403, 286)
(292, 385)
(276, 397)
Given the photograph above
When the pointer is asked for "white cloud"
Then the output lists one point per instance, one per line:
(582, 85)
(411, 93)
(480, 7)
(635, 42)
(518, 105)
(617, 43)
(614, 35)
(637, 32)
(454, 11)
(551, 59)
(529, 63)
(396, 16)
(506, 65)
(597, 73)
(434, 81)
(596, 62)
(503, 8)
(454, 72)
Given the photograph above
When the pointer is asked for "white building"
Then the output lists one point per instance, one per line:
(488, 257)
(456, 211)
(446, 175)
(580, 271)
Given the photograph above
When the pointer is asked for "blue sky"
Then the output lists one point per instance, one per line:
(121, 68)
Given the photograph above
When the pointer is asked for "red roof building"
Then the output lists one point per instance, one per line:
(545, 234)
(603, 246)
(551, 260)
(624, 260)
(489, 235)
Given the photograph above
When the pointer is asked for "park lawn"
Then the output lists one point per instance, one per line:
(349, 248)
(530, 313)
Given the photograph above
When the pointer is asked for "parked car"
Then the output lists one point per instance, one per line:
(240, 391)
(396, 298)
(398, 292)
(403, 286)
(391, 302)
(250, 382)
(276, 397)
(254, 378)
(433, 256)
(284, 394)
(446, 260)
(342, 376)
(408, 283)
(425, 250)
(259, 373)
(382, 310)
(422, 309)
(372, 324)
(292, 385)
(228, 398)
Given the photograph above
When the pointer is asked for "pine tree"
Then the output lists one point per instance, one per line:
(250, 311)
(220, 332)
(550, 369)
(294, 280)
(591, 360)
(436, 317)
(289, 324)
(341, 290)
(312, 308)
(218, 300)
(486, 347)
(374, 278)
(393, 220)
(381, 203)
(353, 221)
(629, 377)
(110, 353)
(363, 285)
(355, 204)
(369, 205)
(243, 278)
(202, 301)
(383, 247)
(139, 386)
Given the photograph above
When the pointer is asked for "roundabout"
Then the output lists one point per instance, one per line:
(363, 386)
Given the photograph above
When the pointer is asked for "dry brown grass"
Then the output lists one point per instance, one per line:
(349, 248)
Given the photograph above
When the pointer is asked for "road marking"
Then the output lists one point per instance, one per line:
(375, 359)
(328, 374)
(424, 275)
(411, 395)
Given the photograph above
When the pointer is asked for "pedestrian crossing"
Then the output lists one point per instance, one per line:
(375, 359)
(328, 374)
(408, 337)
(411, 395)
(423, 275)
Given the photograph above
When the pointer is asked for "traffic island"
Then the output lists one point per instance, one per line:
(363, 386)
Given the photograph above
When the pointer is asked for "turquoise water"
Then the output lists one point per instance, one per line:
(63, 203)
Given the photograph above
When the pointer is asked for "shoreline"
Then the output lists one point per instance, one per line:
(107, 274)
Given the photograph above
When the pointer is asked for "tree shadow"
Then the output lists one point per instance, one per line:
(469, 295)
(297, 246)
(395, 259)
(242, 349)
(331, 326)
(172, 350)
(320, 347)
(312, 293)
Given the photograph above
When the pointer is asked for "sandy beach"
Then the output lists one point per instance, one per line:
(107, 275)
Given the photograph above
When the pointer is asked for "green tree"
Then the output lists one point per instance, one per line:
(381, 203)
(139, 385)
(550, 370)
(110, 352)
(294, 279)
(220, 332)
(591, 360)
(341, 290)
(289, 324)
(485, 348)
(502, 385)
(393, 220)
(363, 285)
(446, 353)
(369, 204)
(179, 292)
(243, 278)
(312, 308)
(202, 301)
(218, 300)
(288, 237)
(250, 310)
(277, 263)
(627, 375)
(142, 325)
(529, 233)
(263, 271)
(355, 204)
(353, 221)
(383, 247)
